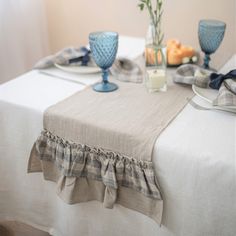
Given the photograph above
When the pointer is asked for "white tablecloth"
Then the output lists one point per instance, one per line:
(195, 163)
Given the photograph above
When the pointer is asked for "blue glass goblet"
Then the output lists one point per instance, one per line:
(210, 34)
(104, 47)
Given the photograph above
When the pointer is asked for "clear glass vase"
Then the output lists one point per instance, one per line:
(155, 58)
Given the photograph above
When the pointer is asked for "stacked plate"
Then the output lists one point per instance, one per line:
(209, 95)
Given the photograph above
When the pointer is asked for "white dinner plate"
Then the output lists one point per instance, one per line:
(210, 95)
(79, 69)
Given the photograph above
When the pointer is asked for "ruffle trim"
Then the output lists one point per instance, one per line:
(113, 169)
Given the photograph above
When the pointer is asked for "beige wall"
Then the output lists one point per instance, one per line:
(23, 36)
(70, 21)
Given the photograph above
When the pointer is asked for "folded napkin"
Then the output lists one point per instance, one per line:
(126, 70)
(227, 88)
(123, 69)
(192, 74)
(226, 84)
(66, 56)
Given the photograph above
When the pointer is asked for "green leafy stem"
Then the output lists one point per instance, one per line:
(155, 11)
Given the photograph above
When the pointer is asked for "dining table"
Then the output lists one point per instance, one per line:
(194, 160)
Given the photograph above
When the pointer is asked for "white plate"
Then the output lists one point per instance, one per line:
(79, 69)
(210, 95)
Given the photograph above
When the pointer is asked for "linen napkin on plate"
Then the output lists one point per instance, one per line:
(227, 88)
(123, 69)
(67, 56)
(226, 84)
(126, 70)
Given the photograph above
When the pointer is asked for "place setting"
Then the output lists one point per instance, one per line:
(80, 65)
(70, 64)
(215, 90)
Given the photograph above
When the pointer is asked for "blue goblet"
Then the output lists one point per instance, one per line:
(210, 34)
(104, 47)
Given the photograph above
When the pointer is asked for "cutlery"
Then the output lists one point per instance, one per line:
(202, 108)
(60, 77)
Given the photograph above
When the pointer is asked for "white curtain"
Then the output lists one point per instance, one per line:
(23, 36)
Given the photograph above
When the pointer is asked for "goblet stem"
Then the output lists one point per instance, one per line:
(105, 85)
(104, 76)
(207, 59)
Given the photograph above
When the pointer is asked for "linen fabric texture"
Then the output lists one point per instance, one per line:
(127, 70)
(192, 74)
(99, 146)
(227, 94)
(64, 57)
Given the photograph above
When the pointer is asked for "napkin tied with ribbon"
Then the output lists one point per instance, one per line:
(80, 56)
(226, 84)
(227, 88)
(123, 69)
(216, 80)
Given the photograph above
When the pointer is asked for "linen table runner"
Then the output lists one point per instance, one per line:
(98, 146)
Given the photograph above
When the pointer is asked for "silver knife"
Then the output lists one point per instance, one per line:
(60, 77)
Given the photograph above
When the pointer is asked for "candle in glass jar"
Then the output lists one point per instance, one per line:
(156, 80)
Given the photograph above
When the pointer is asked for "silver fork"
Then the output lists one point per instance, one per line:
(202, 108)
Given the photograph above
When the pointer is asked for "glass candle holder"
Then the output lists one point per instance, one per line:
(156, 80)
